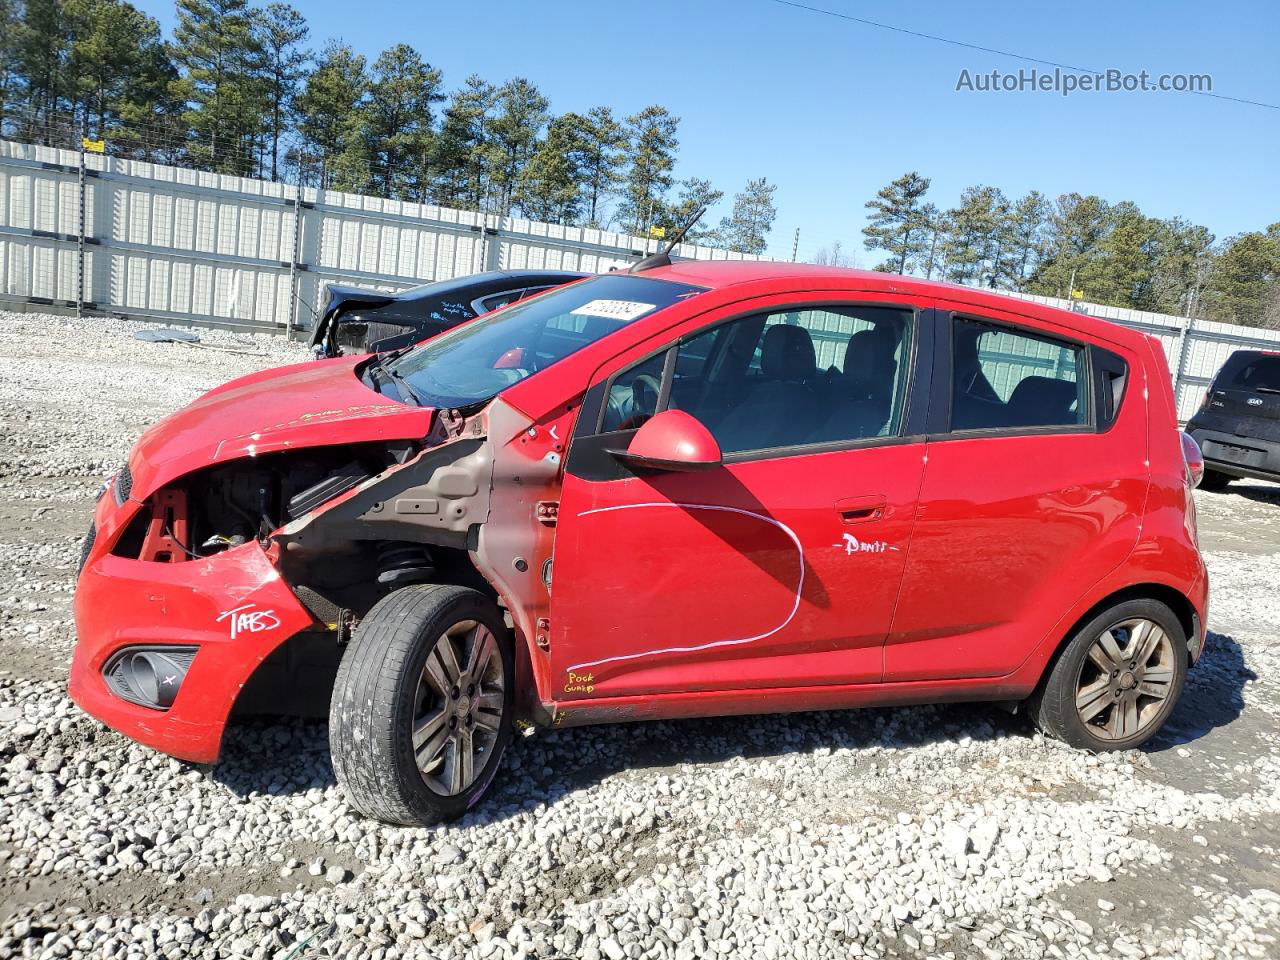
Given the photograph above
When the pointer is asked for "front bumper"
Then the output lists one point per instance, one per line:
(1238, 456)
(234, 607)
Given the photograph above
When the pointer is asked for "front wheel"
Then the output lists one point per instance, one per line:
(421, 707)
(1117, 680)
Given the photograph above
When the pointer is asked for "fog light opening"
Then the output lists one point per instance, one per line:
(149, 677)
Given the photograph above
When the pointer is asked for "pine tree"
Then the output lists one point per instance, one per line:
(10, 73)
(896, 225)
(604, 145)
(1121, 271)
(394, 147)
(216, 47)
(1183, 260)
(458, 158)
(43, 47)
(1246, 278)
(1023, 229)
(1075, 228)
(695, 194)
(746, 229)
(118, 60)
(973, 242)
(329, 102)
(651, 150)
(931, 256)
(520, 113)
(549, 186)
(281, 32)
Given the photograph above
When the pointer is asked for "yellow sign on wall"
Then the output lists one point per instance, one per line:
(94, 146)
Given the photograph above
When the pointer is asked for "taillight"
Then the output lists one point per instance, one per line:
(1193, 458)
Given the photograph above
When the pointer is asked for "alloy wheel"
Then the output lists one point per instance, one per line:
(458, 707)
(1126, 679)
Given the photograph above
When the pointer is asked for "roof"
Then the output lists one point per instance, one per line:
(725, 273)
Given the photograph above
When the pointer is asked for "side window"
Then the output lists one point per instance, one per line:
(633, 395)
(781, 379)
(1007, 378)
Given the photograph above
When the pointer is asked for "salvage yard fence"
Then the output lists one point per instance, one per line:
(150, 241)
(147, 241)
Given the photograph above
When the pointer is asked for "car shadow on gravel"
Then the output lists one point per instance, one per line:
(1213, 696)
(290, 757)
(1259, 493)
(280, 757)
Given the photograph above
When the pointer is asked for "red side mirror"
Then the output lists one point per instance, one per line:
(673, 440)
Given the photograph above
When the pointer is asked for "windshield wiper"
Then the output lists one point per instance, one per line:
(379, 372)
(1267, 389)
(407, 393)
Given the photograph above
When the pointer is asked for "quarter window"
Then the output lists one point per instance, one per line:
(1007, 378)
(781, 379)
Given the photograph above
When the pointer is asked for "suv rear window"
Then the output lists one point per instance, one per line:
(1261, 373)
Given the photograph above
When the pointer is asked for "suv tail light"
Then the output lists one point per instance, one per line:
(1193, 458)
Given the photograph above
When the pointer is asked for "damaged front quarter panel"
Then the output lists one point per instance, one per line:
(482, 485)
(433, 498)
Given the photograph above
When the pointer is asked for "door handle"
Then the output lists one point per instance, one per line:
(862, 509)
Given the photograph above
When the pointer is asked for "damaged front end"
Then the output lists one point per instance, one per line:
(251, 574)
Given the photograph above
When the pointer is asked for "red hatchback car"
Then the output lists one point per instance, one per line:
(708, 488)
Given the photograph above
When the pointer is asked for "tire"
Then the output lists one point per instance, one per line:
(1076, 684)
(1213, 480)
(386, 687)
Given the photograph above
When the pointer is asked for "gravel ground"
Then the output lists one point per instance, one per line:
(922, 832)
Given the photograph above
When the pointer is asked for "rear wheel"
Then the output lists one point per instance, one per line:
(1117, 680)
(1213, 480)
(421, 707)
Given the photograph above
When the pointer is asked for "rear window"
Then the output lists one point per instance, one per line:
(1261, 373)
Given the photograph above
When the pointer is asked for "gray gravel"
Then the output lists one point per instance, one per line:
(925, 832)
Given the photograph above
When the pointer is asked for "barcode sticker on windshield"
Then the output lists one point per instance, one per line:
(624, 310)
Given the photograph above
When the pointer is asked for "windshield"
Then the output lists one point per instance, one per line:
(480, 359)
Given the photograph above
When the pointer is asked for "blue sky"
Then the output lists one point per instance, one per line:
(830, 111)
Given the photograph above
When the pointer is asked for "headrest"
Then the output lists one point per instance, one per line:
(869, 357)
(787, 353)
(1042, 400)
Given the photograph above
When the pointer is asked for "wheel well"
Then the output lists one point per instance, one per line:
(296, 679)
(1171, 598)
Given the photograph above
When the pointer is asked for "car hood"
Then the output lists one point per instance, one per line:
(305, 405)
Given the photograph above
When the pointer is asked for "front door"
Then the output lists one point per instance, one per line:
(779, 568)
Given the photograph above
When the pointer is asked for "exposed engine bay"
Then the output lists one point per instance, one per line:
(228, 505)
(407, 522)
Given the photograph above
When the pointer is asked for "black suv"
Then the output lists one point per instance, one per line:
(360, 320)
(1238, 425)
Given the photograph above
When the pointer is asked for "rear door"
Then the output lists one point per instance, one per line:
(1033, 491)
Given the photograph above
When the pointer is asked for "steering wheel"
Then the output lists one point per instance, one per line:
(645, 390)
